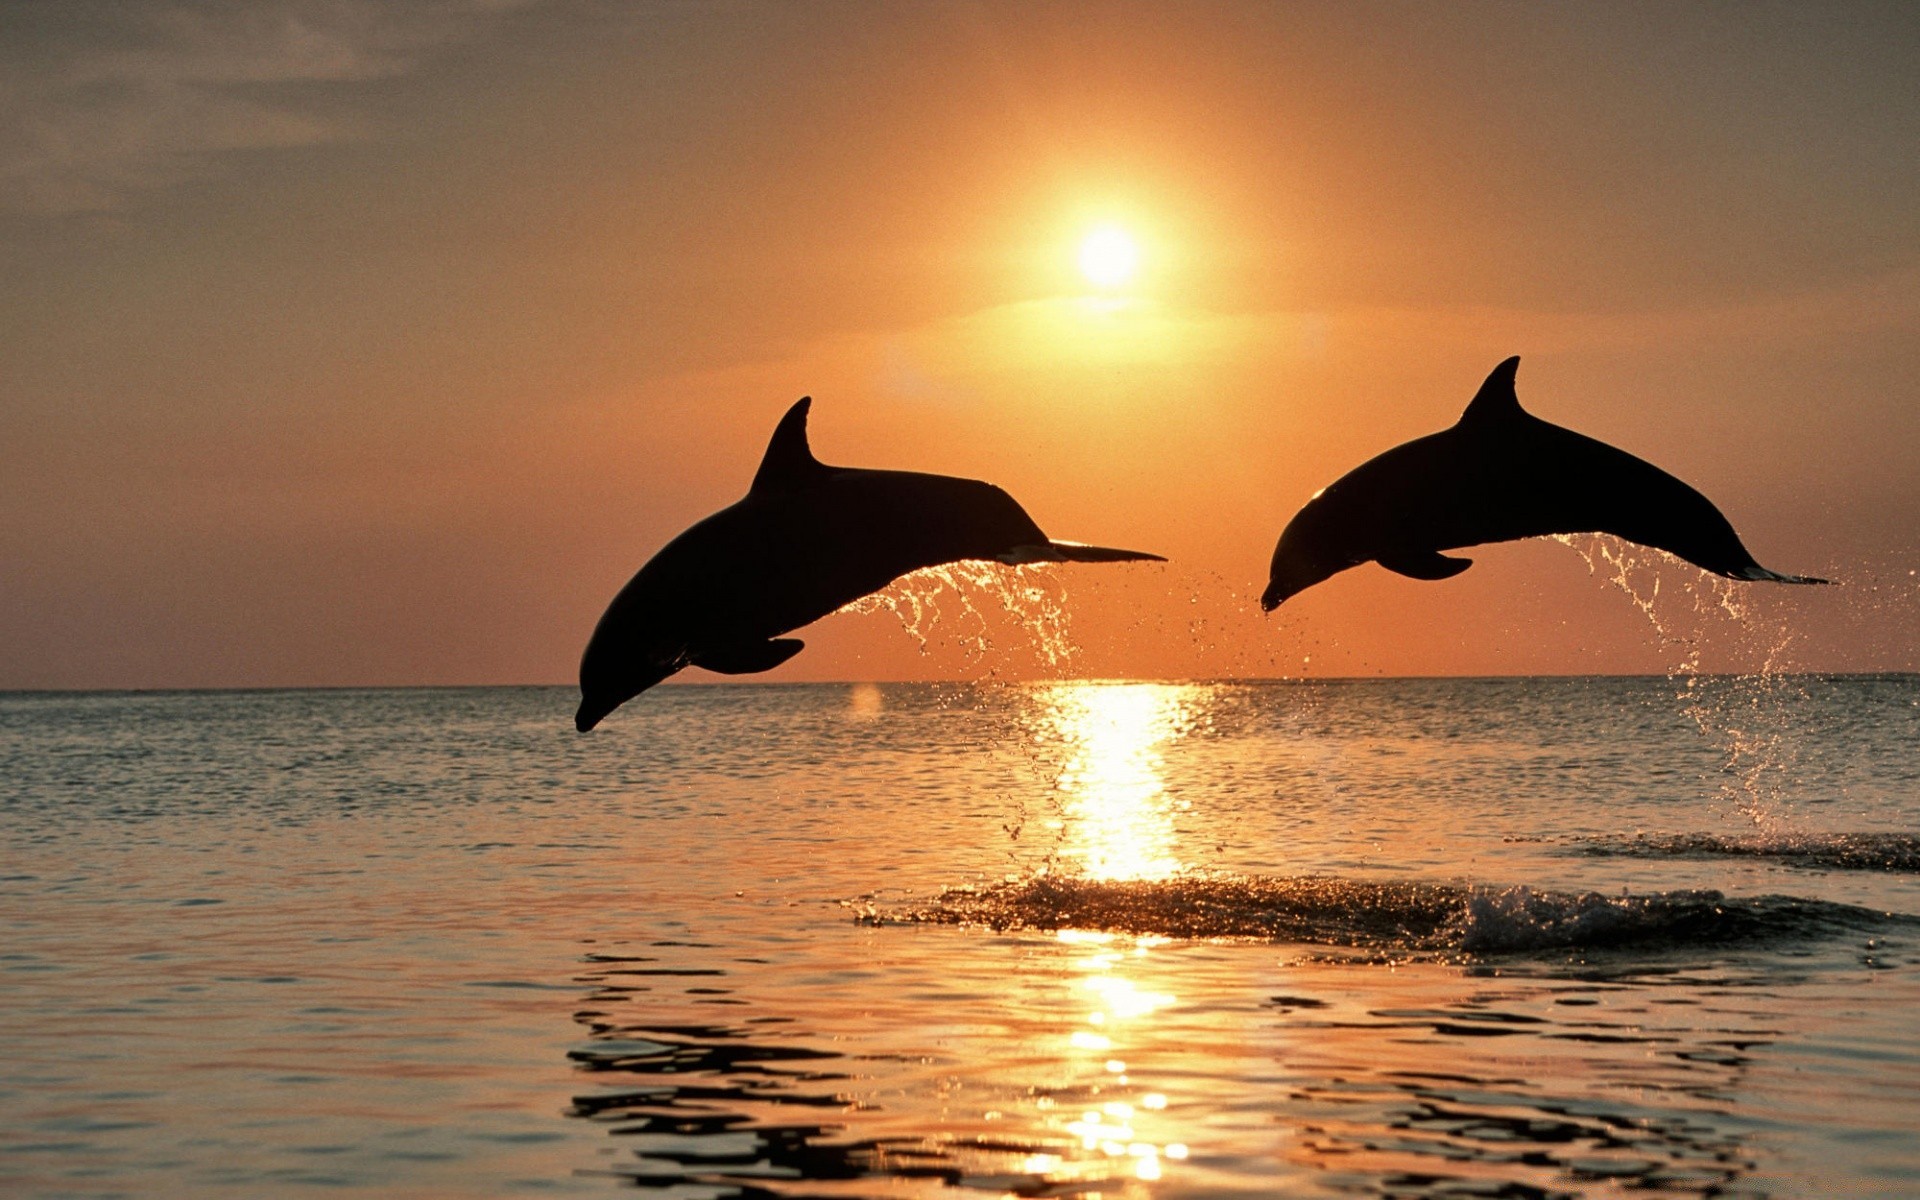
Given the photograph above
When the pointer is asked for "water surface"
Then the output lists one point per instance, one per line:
(1390, 938)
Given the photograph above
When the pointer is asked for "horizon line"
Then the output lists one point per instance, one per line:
(159, 690)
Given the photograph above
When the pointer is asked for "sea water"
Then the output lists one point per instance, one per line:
(1507, 937)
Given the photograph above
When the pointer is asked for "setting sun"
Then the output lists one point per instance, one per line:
(1109, 256)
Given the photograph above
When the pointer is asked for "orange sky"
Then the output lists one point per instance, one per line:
(347, 343)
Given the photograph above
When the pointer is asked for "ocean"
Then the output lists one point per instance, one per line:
(1543, 937)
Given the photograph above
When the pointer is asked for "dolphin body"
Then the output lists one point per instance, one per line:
(1498, 474)
(807, 540)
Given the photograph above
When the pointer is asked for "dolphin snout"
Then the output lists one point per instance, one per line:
(591, 713)
(1275, 596)
(1293, 572)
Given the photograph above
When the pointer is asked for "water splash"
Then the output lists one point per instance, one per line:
(1682, 617)
(1891, 852)
(1751, 716)
(1416, 920)
(937, 607)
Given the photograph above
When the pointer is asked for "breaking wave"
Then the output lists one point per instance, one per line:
(1893, 852)
(1393, 918)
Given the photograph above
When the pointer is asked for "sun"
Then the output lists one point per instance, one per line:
(1109, 256)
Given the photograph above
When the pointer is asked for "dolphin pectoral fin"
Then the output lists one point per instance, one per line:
(751, 657)
(1424, 564)
(1073, 552)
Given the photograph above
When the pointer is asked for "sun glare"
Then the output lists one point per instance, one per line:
(1109, 256)
(1120, 817)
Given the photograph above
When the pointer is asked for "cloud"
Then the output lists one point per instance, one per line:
(102, 101)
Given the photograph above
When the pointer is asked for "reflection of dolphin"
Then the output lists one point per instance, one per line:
(1498, 474)
(807, 540)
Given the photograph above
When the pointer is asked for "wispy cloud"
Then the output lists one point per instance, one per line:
(102, 100)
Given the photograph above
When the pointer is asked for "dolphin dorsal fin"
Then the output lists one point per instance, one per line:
(1496, 399)
(789, 461)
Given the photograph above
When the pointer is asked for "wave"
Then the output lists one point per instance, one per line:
(1389, 917)
(1893, 852)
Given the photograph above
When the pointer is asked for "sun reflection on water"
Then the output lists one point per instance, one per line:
(1123, 1129)
(1118, 820)
(1117, 823)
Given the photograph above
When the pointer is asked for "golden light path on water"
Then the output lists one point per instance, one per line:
(1118, 824)
(1115, 1009)
(1118, 819)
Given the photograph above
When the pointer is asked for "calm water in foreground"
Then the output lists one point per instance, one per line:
(1399, 938)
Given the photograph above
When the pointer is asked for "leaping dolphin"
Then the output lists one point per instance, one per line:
(807, 540)
(1498, 474)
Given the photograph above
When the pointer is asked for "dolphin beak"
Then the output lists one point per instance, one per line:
(1273, 597)
(591, 713)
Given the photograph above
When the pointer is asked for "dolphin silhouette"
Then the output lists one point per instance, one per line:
(807, 540)
(1498, 474)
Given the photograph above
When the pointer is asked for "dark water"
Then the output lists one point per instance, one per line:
(1402, 938)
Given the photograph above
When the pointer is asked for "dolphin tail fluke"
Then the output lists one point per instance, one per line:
(1760, 574)
(1052, 551)
(1081, 552)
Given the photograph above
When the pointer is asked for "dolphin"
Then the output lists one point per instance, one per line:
(808, 539)
(1498, 474)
